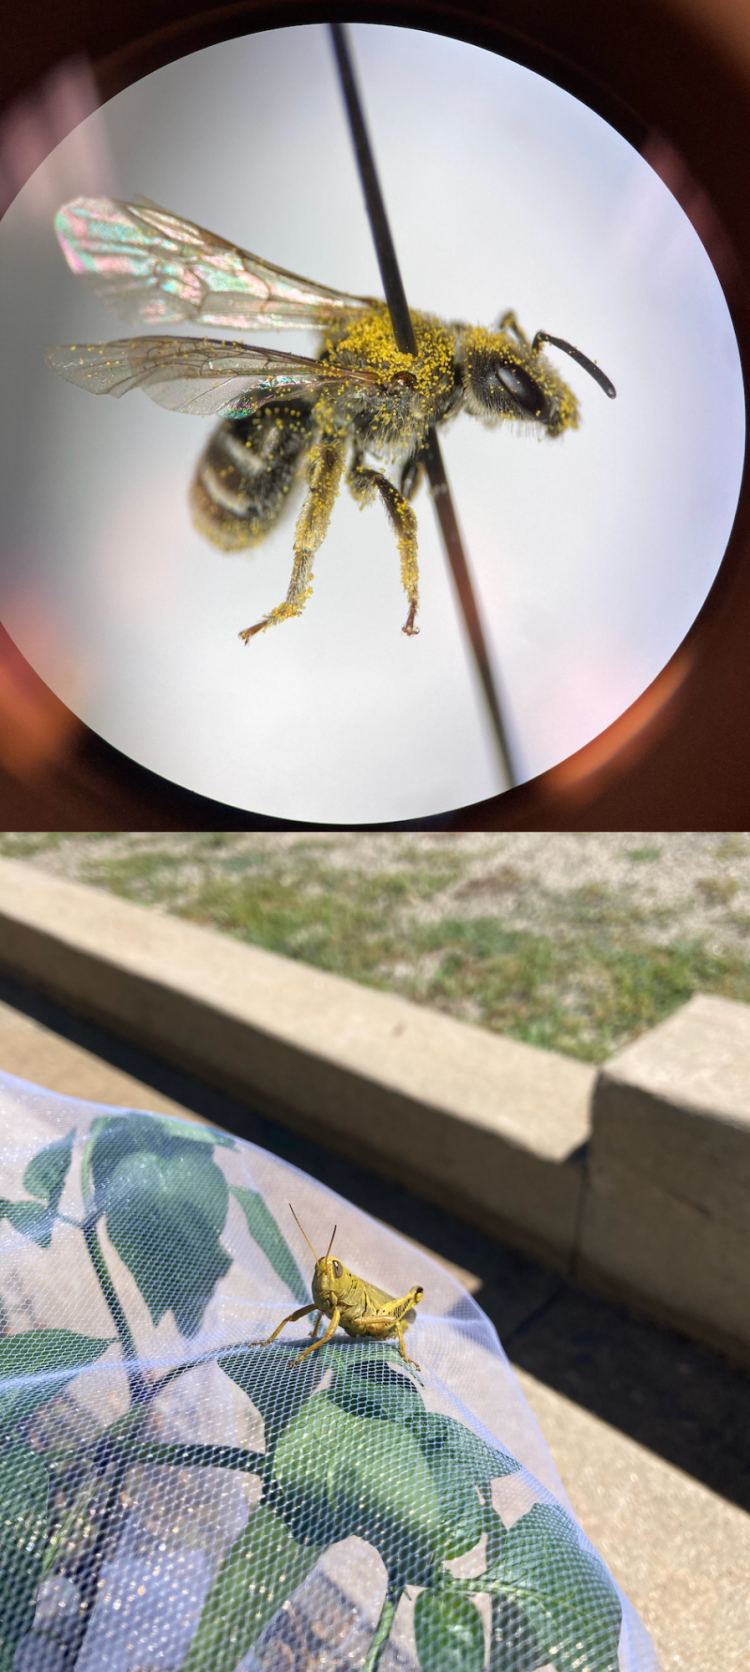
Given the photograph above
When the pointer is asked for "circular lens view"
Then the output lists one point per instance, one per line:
(240, 581)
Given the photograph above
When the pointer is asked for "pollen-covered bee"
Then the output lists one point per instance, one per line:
(283, 414)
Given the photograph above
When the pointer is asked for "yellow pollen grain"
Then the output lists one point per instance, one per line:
(479, 340)
(370, 341)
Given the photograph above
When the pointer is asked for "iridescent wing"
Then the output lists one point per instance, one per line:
(152, 268)
(198, 375)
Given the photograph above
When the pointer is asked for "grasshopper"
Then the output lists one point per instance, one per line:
(357, 1306)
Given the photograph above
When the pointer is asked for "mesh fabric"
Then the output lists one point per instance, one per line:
(173, 1496)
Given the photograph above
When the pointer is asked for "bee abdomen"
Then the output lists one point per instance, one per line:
(244, 476)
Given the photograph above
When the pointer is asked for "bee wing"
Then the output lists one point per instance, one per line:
(198, 375)
(152, 268)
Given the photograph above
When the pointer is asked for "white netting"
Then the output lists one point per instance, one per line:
(174, 1497)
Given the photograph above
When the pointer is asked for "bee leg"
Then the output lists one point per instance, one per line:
(291, 1318)
(364, 484)
(331, 1330)
(508, 322)
(411, 475)
(323, 478)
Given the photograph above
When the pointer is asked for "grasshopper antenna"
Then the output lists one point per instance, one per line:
(306, 1237)
(330, 1245)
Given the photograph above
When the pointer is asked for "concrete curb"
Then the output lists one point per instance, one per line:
(665, 1221)
(480, 1124)
(587, 1172)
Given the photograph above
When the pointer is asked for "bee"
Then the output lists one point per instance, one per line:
(360, 406)
(359, 1307)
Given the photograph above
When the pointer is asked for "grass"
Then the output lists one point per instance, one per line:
(584, 995)
(580, 970)
(717, 891)
(20, 845)
(733, 846)
(595, 976)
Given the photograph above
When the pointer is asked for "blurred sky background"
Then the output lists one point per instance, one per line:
(591, 555)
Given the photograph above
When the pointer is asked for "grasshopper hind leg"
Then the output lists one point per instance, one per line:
(402, 1348)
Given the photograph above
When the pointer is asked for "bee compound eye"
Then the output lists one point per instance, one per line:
(521, 388)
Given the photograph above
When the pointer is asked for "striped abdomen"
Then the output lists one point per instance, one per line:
(243, 477)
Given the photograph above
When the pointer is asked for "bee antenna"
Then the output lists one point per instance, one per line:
(305, 1235)
(330, 1245)
(594, 371)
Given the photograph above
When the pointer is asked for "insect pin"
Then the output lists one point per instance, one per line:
(359, 1307)
(359, 409)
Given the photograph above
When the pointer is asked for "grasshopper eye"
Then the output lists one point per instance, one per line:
(338, 1270)
(521, 388)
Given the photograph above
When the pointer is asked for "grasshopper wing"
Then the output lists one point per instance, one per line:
(198, 375)
(378, 1300)
(152, 268)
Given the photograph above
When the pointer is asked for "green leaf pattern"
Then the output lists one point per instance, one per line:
(262, 1569)
(350, 1447)
(449, 1633)
(36, 1365)
(564, 1591)
(45, 1179)
(24, 1490)
(165, 1218)
(264, 1230)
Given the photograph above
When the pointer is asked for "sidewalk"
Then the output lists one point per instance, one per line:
(649, 1431)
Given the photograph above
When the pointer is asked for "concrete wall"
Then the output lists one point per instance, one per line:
(666, 1209)
(636, 1180)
